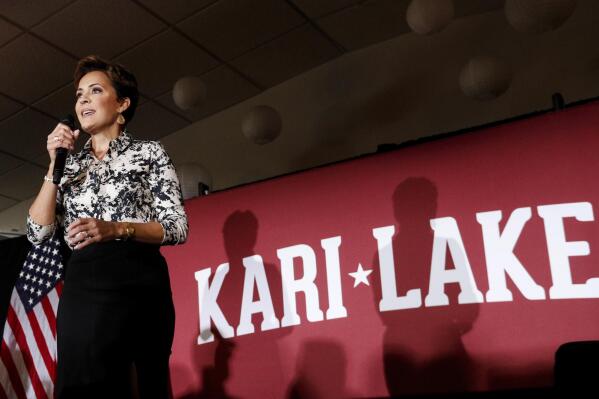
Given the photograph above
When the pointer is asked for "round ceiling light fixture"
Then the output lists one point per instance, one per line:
(485, 78)
(429, 16)
(262, 124)
(189, 92)
(537, 16)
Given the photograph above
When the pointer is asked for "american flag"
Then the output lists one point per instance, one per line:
(28, 352)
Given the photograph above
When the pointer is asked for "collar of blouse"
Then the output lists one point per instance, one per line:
(115, 148)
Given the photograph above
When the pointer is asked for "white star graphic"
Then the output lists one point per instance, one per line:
(360, 276)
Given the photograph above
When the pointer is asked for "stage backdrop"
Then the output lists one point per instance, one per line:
(456, 265)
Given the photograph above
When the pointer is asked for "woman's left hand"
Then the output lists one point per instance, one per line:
(85, 231)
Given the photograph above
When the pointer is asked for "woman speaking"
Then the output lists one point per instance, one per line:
(118, 201)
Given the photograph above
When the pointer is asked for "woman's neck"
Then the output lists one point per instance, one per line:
(101, 140)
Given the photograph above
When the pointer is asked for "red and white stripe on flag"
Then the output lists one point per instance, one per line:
(28, 349)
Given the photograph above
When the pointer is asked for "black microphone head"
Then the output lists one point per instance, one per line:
(68, 120)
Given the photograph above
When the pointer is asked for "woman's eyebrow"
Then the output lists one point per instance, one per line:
(90, 85)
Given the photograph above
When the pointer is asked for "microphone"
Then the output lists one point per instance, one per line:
(61, 153)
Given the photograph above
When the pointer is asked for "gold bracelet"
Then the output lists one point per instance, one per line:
(129, 231)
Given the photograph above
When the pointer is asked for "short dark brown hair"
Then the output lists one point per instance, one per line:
(122, 79)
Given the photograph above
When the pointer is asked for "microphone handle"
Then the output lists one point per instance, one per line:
(61, 153)
(59, 163)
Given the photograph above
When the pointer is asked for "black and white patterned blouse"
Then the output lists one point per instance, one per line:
(134, 182)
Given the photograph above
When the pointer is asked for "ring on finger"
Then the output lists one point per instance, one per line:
(56, 138)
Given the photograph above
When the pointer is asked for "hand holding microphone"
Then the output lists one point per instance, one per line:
(60, 142)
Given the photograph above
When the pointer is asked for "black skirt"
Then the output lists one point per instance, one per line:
(115, 321)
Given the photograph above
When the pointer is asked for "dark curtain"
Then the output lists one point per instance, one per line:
(13, 252)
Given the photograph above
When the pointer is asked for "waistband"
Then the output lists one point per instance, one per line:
(118, 266)
(112, 249)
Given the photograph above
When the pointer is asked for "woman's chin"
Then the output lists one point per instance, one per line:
(96, 127)
(89, 128)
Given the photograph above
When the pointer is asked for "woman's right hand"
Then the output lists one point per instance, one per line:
(61, 137)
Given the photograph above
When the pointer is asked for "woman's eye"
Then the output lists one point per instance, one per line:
(96, 90)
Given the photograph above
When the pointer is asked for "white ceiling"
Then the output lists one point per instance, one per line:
(238, 47)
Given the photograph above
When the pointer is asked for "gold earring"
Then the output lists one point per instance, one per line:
(120, 119)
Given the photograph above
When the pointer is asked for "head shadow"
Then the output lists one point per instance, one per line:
(423, 350)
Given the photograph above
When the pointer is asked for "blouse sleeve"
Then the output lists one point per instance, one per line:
(38, 233)
(167, 197)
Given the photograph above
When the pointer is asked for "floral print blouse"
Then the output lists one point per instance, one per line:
(134, 182)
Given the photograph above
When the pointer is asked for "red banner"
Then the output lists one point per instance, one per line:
(456, 265)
